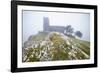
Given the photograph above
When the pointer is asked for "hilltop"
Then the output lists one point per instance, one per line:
(55, 46)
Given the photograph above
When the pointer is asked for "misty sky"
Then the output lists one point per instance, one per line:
(33, 22)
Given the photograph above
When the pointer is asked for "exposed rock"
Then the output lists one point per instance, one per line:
(54, 46)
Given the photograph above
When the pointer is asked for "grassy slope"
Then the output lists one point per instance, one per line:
(39, 36)
(84, 45)
(61, 53)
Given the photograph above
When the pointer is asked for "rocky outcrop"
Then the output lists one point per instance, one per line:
(55, 46)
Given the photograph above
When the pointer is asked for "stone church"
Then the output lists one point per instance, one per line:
(48, 28)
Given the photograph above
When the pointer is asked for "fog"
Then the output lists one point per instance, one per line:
(32, 22)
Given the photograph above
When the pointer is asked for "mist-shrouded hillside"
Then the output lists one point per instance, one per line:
(55, 46)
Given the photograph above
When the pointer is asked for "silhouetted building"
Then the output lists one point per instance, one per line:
(48, 28)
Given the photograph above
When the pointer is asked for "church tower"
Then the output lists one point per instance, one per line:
(45, 24)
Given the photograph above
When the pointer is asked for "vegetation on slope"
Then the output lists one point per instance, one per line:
(55, 46)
